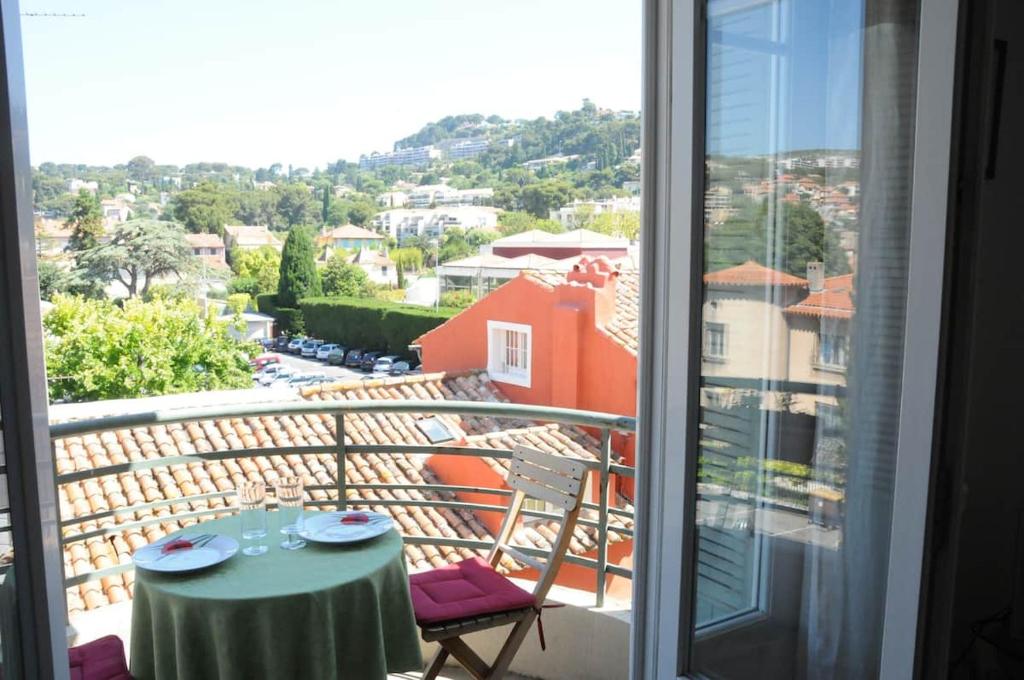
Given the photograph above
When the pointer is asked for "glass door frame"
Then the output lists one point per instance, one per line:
(670, 323)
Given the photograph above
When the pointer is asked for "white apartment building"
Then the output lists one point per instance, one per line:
(458, 149)
(568, 215)
(420, 156)
(442, 194)
(403, 223)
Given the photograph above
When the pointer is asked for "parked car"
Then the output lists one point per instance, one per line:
(369, 359)
(309, 347)
(295, 346)
(267, 343)
(281, 343)
(399, 368)
(354, 358)
(273, 372)
(323, 350)
(383, 364)
(263, 360)
(318, 378)
(336, 357)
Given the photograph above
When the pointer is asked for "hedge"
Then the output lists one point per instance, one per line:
(289, 320)
(370, 323)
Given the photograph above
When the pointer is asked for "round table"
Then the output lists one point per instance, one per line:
(325, 611)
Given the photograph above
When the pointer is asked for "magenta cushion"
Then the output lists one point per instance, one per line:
(101, 659)
(468, 588)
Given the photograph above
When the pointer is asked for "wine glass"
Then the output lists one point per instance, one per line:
(252, 512)
(289, 509)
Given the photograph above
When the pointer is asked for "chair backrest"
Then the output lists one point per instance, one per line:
(555, 480)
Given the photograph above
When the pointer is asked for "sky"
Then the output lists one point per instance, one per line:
(306, 82)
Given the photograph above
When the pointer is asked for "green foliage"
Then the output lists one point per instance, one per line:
(371, 323)
(541, 198)
(53, 280)
(407, 259)
(261, 266)
(238, 302)
(289, 319)
(338, 277)
(513, 222)
(206, 208)
(299, 277)
(804, 238)
(295, 205)
(138, 252)
(85, 222)
(625, 224)
(457, 299)
(96, 349)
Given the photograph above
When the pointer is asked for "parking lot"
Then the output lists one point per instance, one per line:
(314, 366)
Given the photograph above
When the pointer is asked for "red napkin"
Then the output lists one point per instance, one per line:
(355, 518)
(176, 544)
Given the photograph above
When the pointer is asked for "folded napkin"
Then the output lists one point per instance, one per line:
(176, 544)
(355, 518)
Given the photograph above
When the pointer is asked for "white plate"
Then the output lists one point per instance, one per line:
(326, 527)
(216, 551)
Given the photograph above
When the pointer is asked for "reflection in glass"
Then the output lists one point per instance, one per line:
(806, 207)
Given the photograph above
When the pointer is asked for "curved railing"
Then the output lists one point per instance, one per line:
(604, 467)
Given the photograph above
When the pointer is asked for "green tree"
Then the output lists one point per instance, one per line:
(407, 259)
(295, 204)
(299, 277)
(85, 222)
(625, 224)
(96, 349)
(517, 222)
(348, 280)
(53, 280)
(262, 266)
(326, 209)
(798, 236)
(138, 252)
(205, 208)
(541, 198)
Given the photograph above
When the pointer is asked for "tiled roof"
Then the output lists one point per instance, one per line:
(208, 477)
(249, 235)
(352, 231)
(750, 273)
(834, 301)
(204, 240)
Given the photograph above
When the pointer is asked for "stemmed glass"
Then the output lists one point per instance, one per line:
(289, 509)
(252, 511)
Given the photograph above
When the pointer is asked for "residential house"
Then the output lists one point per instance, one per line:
(378, 266)
(209, 248)
(249, 237)
(116, 210)
(351, 237)
(263, 186)
(75, 186)
(52, 237)
(435, 195)
(256, 326)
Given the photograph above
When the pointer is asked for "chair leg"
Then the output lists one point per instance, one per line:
(511, 646)
(436, 664)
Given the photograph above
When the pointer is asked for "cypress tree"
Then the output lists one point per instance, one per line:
(327, 202)
(299, 277)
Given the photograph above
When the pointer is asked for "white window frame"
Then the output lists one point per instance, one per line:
(495, 363)
(673, 110)
(709, 328)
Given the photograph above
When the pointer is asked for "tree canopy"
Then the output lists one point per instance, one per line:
(341, 278)
(262, 267)
(96, 349)
(206, 208)
(138, 252)
(85, 222)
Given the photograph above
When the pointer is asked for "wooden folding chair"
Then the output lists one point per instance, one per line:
(534, 474)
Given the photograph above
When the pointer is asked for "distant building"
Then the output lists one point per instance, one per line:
(75, 186)
(569, 215)
(247, 237)
(403, 223)
(351, 237)
(209, 248)
(561, 246)
(257, 326)
(377, 265)
(436, 195)
(457, 149)
(558, 159)
(481, 274)
(263, 186)
(52, 237)
(420, 156)
(632, 186)
(116, 210)
(717, 204)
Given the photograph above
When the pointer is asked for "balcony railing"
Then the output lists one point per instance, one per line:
(107, 520)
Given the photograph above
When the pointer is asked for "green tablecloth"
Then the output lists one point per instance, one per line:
(323, 611)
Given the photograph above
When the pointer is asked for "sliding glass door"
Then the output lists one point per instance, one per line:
(801, 345)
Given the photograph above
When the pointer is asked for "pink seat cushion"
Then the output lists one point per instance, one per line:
(101, 659)
(465, 589)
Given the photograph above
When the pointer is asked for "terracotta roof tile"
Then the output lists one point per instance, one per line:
(751, 273)
(834, 301)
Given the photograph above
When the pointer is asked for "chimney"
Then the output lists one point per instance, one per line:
(816, 276)
(595, 279)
